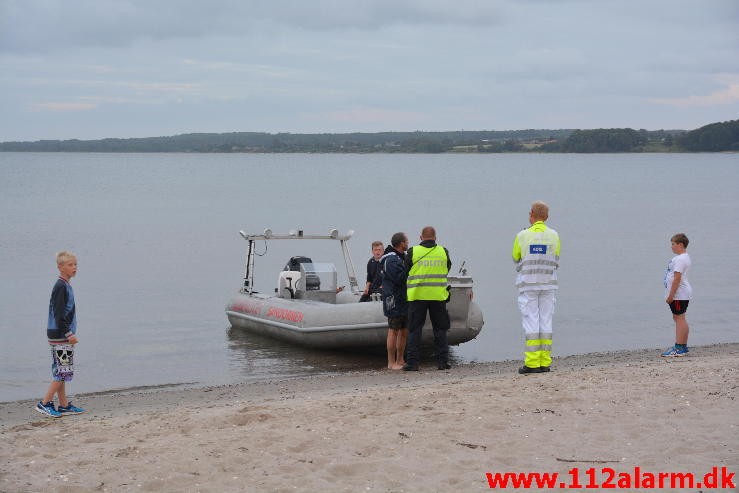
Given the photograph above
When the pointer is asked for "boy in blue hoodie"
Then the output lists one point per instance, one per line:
(61, 332)
(394, 304)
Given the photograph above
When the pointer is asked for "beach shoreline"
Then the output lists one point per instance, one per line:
(388, 431)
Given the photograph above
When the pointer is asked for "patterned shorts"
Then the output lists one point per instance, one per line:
(62, 362)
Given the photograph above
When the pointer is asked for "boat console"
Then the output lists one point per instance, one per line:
(304, 279)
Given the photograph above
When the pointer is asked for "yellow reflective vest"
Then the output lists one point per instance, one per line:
(427, 278)
(536, 253)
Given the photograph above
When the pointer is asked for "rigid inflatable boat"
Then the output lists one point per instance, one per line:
(309, 309)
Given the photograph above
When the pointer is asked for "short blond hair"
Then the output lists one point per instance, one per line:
(377, 243)
(64, 256)
(540, 210)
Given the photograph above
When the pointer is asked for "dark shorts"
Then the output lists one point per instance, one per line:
(397, 322)
(678, 307)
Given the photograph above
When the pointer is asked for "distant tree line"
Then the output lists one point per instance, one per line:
(711, 138)
(426, 142)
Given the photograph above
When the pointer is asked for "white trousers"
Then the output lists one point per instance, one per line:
(537, 309)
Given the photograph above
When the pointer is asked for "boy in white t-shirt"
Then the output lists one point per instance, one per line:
(678, 293)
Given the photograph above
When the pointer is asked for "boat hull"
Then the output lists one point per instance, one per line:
(345, 324)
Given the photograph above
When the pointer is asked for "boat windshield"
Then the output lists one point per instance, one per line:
(317, 282)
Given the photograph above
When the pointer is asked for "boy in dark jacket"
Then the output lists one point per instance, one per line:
(394, 304)
(61, 332)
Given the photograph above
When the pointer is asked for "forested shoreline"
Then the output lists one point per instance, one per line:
(716, 137)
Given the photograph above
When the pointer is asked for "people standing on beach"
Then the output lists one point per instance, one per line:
(394, 303)
(428, 265)
(61, 332)
(536, 254)
(678, 293)
(373, 284)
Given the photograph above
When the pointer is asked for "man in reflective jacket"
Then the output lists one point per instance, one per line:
(536, 254)
(428, 265)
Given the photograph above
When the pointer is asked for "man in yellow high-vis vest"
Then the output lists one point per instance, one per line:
(536, 254)
(428, 266)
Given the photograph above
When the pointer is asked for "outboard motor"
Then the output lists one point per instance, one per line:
(312, 280)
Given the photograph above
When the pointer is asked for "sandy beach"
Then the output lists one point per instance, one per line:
(383, 431)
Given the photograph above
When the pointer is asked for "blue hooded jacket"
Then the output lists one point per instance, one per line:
(62, 319)
(394, 277)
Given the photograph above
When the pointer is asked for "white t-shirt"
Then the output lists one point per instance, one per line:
(679, 263)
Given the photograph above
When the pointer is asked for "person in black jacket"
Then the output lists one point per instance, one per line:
(394, 304)
(373, 284)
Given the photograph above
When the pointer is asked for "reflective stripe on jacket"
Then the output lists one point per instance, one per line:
(536, 253)
(427, 278)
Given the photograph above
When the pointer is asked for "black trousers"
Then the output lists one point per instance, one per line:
(439, 322)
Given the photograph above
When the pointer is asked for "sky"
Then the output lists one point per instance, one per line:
(90, 69)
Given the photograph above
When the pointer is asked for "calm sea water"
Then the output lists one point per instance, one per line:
(159, 251)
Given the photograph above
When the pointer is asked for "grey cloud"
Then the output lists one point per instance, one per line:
(96, 68)
(48, 26)
(34, 26)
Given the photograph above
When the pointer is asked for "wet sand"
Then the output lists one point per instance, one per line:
(383, 431)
